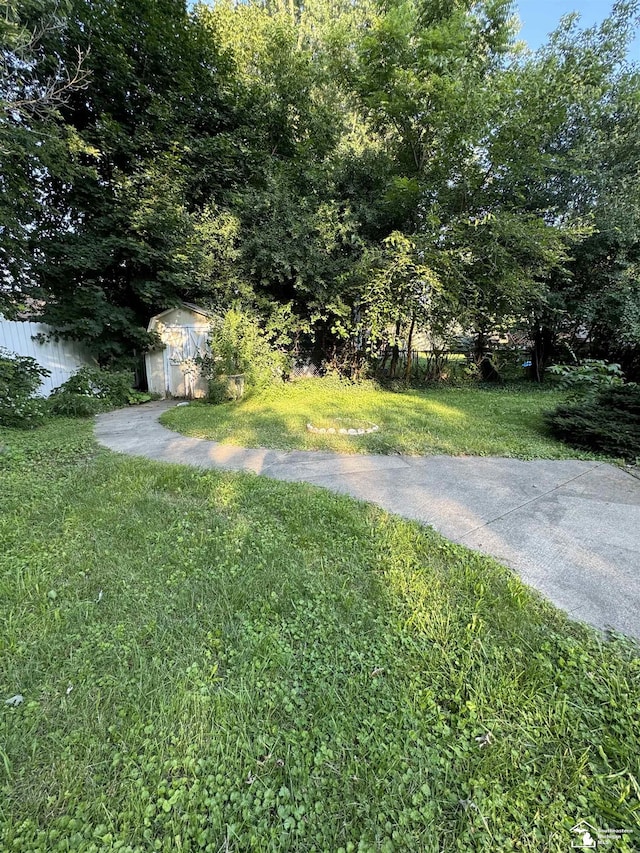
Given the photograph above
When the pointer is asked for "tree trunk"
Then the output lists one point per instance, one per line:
(385, 356)
(395, 353)
(541, 351)
(479, 347)
(407, 370)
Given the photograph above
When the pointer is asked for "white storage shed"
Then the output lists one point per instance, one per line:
(172, 370)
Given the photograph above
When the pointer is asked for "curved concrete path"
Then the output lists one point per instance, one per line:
(571, 529)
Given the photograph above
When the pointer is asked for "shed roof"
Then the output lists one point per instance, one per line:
(206, 312)
(199, 310)
(181, 306)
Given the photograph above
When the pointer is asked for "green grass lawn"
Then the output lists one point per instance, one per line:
(474, 421)
(220, 662)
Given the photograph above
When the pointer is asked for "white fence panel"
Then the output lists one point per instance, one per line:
(62, 358)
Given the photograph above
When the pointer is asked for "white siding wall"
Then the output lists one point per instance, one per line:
(62, 358)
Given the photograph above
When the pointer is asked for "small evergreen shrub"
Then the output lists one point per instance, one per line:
(607, 421)
(20, 378)
(92, 390)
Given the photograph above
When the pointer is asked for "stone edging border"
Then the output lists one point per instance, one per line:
(341, 430)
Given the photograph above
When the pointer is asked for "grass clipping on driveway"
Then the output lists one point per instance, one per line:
(473, 421)
(221, 662)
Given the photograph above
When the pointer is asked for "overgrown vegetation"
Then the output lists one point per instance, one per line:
(512, 201)
(216, 661)
(239, 349)
(505, 421)
(20, 378)
(92, 390)
(587, 377)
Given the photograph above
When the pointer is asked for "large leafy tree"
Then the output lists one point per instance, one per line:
(34, 83)
(296, 236)
(596, 180)
(602, 297)
(132, 161)
(488, 146)
(436, 82)
(313, 158)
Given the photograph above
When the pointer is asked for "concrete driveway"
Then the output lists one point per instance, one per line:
(571, 529)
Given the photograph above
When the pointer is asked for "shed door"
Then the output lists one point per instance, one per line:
(183, 345)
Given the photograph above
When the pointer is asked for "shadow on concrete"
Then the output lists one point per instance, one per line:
(570, 528)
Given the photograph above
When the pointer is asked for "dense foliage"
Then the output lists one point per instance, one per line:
(92, 390)
(373, 169)
(607, 421)
(239, 346)
(20, 378)
(589, 375)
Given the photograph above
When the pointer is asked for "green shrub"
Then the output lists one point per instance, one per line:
(239, 346)
(216, 390)
(20, 378)
(135, 397)
(588, 376)
(92, 390)
(607, 421)
(71, 404)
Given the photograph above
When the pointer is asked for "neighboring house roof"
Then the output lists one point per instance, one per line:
(31, 309)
